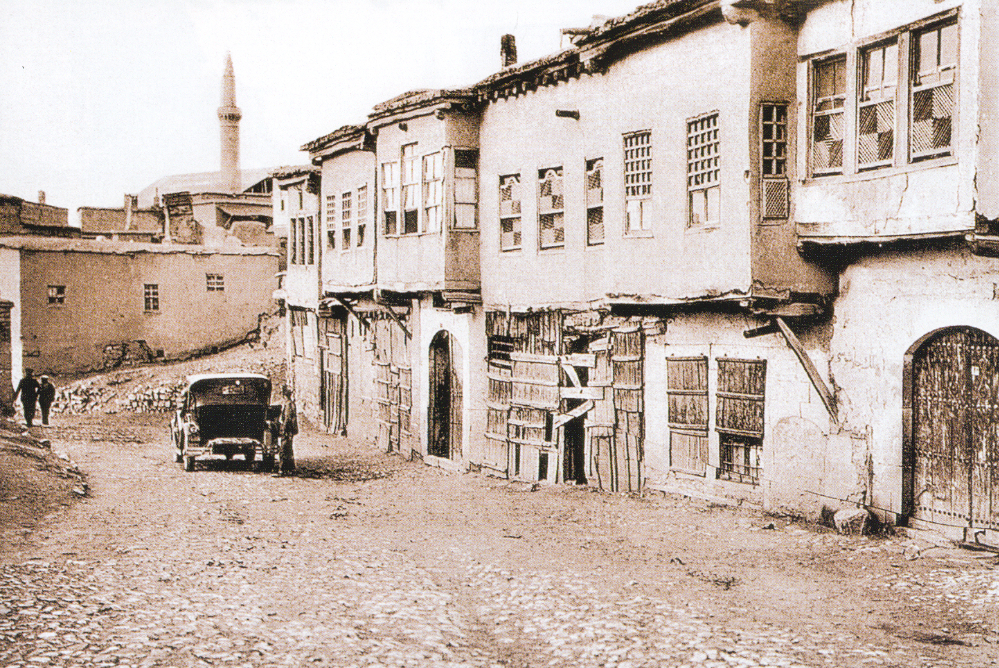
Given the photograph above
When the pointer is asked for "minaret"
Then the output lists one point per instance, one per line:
(229, 115)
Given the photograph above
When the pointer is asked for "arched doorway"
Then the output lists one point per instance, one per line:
(951, 467)
(444, 418)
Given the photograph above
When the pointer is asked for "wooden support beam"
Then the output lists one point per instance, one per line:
(571, 373)
(813, 374)
(576, 412)
(398, 321)
(350, 309)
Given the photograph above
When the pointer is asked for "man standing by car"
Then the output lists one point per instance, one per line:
(28, 391)
(46, 395)
(289, 427)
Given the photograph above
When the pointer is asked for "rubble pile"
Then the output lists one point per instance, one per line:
(150, 389)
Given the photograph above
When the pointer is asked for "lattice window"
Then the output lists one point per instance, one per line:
(390, 197)
(773, 166)
(331, 221)
(57, 294)
(346, 218)
(362, 214)
(934, 70)
(739, 419)
(214, 282)
(509, 199)
(594, 202)
(551, 202)
(637, 179)
(433, 192)
(151, 296)
(410, 190)
(703, 170)
(687, 398)
(876, 107)
(466, 189)
(828, 124)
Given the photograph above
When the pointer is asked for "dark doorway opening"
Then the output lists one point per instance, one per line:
(445, 398)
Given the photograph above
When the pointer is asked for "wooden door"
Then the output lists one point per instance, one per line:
(334, 376)
(955, 456)
(444, 418)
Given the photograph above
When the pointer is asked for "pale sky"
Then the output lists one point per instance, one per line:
(102, 98)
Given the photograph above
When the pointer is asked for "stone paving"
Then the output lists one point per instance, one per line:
(366, 560)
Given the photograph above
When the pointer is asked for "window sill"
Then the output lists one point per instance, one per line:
(639, 234)
(702, 228)
(510, 250)
(552, 250)
(881, 172)
(151, 312)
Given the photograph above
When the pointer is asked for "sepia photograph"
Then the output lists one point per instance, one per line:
(449, 334)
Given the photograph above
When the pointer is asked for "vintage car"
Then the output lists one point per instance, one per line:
(226, 414)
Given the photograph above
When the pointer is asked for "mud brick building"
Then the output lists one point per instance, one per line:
(21, 217)
(734, 249)
(81, 305)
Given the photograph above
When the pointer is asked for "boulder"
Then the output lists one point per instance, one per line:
(853, 521)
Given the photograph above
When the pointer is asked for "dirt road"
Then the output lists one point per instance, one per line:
(367, 560)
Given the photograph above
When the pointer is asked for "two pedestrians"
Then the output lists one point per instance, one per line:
(31, 393)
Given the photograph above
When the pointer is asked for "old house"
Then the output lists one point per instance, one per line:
(21, 217)
(401, 326)
(125, 223)
(82, 305)
(898, 190)
(636, 225)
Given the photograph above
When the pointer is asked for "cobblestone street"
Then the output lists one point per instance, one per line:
(364, 559)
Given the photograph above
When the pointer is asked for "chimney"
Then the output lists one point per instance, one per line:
(41, 194)
(508, 50)
(129, 210)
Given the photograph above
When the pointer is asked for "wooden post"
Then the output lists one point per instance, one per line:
(813, 375)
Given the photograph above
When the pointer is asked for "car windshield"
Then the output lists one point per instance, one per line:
(213, 391)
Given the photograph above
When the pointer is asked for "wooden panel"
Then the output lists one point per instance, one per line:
(688, 452)
(741, 396)
(687, 393)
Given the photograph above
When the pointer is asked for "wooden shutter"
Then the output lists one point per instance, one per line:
(741, 394)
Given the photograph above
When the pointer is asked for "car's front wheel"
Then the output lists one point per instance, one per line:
(188, 463)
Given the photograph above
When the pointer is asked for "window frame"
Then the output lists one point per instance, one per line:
(675, 391)
(432, 192)
(904, 157)
(151, 298)
(731, 439)
(389, 198)
(704, 168)
(516, 218)
(460, 156)
(410, 166)
(214, 282)
(593, 197)
(346, 220)
(56, 295)
(362, 214)
(637, 190)
(551, 176)
(331, 224)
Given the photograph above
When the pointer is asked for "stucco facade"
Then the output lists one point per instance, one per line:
(84, 298)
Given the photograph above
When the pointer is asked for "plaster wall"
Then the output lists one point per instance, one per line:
(885, 304)
(355, 266)
(468, 330)
(409, 262)
(104, 303)
(911, 198)
(655, 89)
(10, 290)
(301, 283)
(805, 463)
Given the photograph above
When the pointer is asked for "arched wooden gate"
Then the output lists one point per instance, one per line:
(953, 414)
(444, 419)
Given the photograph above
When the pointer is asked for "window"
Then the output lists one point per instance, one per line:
(638, 179)
(466, 189)
(876, 106)
(739, 418)
(331, 221)
(362, 214)
(934, 66)
(410, 190)
(293, 249)
(594, 202)
(509, 196)
(151, 296)
(703, 173)
(828, 124)
(773, 166)
(433, 192)
(551, 202)
(311, 239)
(390, 197)
(687, 397)
(214, 282)
(345, 219)
(284, 196)
(301, 199)
(57, 294)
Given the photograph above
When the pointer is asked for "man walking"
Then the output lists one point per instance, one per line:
(28, 391)
(46, 395)
(289, 427)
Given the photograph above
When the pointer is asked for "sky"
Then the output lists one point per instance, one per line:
(98, 99)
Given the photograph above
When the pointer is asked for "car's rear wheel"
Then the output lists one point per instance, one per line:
(188, 463)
